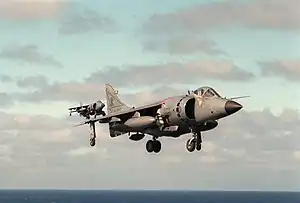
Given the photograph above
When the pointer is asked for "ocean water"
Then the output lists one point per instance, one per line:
(52, 196)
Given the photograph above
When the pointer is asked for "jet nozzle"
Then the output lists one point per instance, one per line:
(232, 107)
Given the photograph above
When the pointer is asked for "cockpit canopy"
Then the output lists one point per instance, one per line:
(206, 92)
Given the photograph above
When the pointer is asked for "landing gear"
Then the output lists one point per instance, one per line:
(92, 134)
(191, 145)
(153, 146)
(93, 142)
(194, 142)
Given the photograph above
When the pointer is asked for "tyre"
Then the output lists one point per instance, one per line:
(191, 145)
(198, 147)
(92, 142)
(157, 146)
(150, 146)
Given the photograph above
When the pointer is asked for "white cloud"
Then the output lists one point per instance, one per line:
(288, 69)
(209, 146)
(81, 151)
(22, 119)
(39, 89)
(28, 53)
(182, 45)
(87, 20)
(235, 152)
(257, 141)
(275, 14)
(297, 155)
(171, 159)
(31, 9)
(211, 159)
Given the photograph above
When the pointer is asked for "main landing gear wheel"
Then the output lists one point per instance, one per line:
(153, 146)
(191, 144)
(194, 143)
(199, 147)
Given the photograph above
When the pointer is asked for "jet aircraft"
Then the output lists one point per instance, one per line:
(93, 109)
(194, 112)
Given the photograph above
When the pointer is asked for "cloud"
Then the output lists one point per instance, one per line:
(188, 30)
(255, 130)
(5, 100)
(86, 21)
(179, 45)
(45, 146)
(288, 69)
(5, 78)
(28, 53)
(211, 159)
(81, 151)
(38, 88)
(24, 122)
(32, 81)
(31, 9)
(179, 73)
(297, 155)
(274, 14)
(70, 91)
(84, 92)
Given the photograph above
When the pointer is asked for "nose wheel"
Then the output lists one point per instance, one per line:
(194, 143)
(153, 146)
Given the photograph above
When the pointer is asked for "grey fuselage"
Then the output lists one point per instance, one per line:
(186, 111)
(179, 115)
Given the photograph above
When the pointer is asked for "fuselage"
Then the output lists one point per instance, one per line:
(180, 113)
(190, 110)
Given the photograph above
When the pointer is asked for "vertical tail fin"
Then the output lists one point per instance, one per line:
(114, 103)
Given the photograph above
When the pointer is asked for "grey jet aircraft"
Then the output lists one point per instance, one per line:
(194, 112)
(88, 110)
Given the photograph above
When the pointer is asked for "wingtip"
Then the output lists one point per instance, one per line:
(80, 124)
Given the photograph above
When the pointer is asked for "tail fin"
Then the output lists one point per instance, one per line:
(114, 103)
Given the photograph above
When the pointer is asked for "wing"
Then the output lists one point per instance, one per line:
(77, 108)
(147, 110)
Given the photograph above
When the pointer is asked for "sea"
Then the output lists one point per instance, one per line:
(85, 196)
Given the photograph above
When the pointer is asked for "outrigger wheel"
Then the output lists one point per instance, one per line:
(93, 142)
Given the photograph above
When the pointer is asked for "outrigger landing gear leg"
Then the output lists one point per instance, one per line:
(92, 134)
(195, 142)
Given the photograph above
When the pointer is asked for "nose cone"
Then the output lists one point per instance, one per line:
(232, 107)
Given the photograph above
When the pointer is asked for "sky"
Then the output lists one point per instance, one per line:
(55, 54)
